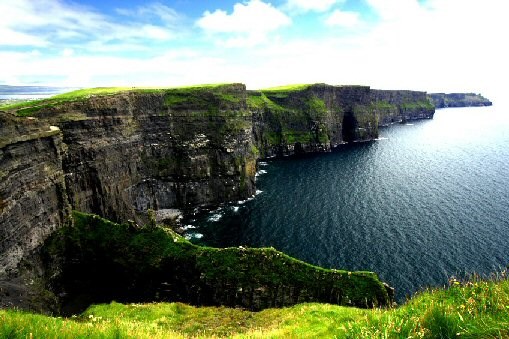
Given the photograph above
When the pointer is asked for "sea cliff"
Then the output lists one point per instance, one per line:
(122, 153)
(443, 100)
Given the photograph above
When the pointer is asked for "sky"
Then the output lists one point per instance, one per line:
(430, 45)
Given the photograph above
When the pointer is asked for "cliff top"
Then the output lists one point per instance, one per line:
(294, 87)
(30, 108)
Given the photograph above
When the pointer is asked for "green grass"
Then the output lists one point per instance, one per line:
(424, 104)
(474, 309)
(292, 87)
(66, 97)
(30, 108)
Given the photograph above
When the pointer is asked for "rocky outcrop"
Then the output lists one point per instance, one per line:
(33, 200)
(443, 100)
(181, 148)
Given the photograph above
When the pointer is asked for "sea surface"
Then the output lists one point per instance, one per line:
(30, 92)
(427, 201)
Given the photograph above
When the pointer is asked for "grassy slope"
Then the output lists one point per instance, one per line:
(477, 309)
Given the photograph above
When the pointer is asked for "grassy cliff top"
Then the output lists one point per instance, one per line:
(284, 88)
(474, 309)
(86, 93)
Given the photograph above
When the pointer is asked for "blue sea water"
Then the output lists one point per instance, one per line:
(428, 201)
(30, 92)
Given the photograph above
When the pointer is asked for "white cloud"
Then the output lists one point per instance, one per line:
(158, 10)
(343, 19)
(312, 5)
(249, 22)
(9, 37)
(395, 9)
(45, 22)
(154, 32)
(67, 52)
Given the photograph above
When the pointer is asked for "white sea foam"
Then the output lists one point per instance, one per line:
(242, 202)
(260, 172)
(235, 209)
(188, 227)
(258, 192)
(193, 235)
(215, 217)
(262, 163)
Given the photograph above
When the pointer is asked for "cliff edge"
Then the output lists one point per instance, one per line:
(443, 100)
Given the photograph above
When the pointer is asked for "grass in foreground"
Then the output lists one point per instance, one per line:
(475, 309)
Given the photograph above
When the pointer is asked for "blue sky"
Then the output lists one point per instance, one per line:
(434, 45)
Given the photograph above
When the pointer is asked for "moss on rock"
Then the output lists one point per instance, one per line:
(105, 261)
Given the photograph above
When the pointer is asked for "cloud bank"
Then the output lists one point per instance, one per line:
(435, 45)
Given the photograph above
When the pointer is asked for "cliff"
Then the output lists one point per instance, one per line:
(311, 118)
(134, 151)
(119, 153)
(442, 100)
(33, 201)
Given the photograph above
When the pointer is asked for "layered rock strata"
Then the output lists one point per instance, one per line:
(33, 200)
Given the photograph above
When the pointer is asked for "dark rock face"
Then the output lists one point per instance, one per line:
(442, 100)
(133, 152)
(33, 200)
(400, 106)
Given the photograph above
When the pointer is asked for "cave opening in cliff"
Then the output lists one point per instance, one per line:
(349, 128)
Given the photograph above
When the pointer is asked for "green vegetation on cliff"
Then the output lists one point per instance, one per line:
(131, 263)
(474, 309)
(292, 114)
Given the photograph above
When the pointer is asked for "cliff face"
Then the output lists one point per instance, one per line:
(320, 117)
(132, 152)
(442, 100)
(33, 200)
(400, 106)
